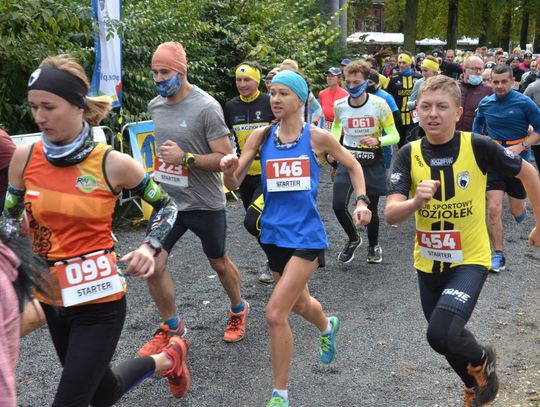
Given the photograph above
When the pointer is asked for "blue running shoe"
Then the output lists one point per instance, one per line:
(277, 401)
(498, 262)
(327, 350)
(521, 217)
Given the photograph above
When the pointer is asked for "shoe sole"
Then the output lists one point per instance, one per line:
(374, 261)
(497, 270)
(244, 334)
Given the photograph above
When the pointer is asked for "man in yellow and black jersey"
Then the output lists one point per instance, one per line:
(243, 114)
(441, 179)
(400, 87)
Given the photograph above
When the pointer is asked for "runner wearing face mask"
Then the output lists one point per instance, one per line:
(473, 90)
(363, 118)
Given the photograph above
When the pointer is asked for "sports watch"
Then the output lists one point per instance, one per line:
(189, 160)
(525, 144)
(364, 198)
(155, 244)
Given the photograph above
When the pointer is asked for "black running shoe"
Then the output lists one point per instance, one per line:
(347, 254)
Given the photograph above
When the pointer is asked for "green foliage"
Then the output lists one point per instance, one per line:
(31, 30)
(217, 36)
(472, 21)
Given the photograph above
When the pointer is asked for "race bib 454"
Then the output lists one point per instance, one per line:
(441, 245)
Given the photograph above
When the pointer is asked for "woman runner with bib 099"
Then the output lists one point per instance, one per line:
(292, 233)
(67, 185)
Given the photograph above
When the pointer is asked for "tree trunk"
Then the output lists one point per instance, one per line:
(484, 36)
(330, 7)
(451, 33)
(343, 22)
(506, 28)
(524, 24)
(536, 42)
(409, 25)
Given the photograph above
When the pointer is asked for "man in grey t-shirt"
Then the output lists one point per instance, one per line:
(192, 137)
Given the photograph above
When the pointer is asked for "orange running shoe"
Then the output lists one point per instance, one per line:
(485, 376)
(236, 327)
(469, 399)
(178, 375)
(159, 340)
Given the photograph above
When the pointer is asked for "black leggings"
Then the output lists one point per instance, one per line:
(448, 300)
(340, 201)
(85, 339)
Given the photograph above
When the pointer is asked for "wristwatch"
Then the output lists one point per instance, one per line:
(189, 160)
(155, 244)
(364, 198)
(525, 144)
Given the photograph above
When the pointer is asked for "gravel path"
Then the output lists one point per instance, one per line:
(383, 358)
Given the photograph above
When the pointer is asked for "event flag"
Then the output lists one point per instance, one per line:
(107, 77)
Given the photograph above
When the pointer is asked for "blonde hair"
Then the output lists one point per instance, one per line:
(443, 83)
(290, 62)
(96, 108)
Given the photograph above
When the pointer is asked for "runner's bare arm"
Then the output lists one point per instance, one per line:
(173, 154)
(235, 168)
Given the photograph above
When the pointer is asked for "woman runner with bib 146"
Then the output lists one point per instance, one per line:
(67, 185)
(294, 240)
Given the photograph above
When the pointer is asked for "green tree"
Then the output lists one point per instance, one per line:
(217, 35)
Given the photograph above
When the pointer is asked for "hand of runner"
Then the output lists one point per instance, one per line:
(141, 262)
(171, 153)
(370, 141)
(534, 237)
(229, 163)
(361, 215)
(517, 149)
(425, 191)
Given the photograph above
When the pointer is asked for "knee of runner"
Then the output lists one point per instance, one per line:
(494, 209)
(436, 338)
(275, 316)
(219, 265)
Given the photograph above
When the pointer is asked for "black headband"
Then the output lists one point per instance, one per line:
(60, 83)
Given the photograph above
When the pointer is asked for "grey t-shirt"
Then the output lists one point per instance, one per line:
(191, 124)
(533, 91)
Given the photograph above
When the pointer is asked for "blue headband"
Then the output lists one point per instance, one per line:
(294, 81)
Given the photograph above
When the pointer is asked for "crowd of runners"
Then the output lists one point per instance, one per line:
(443, 136)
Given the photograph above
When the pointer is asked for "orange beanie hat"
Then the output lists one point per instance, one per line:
(170, 55)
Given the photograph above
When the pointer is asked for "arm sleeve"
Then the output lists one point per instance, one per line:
(164, 207)
(336, 124)
(400, 179)
(315, 106)
(391, 135)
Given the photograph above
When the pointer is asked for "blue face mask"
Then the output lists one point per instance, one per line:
(357, 91)
(475, 80)
(169, 87)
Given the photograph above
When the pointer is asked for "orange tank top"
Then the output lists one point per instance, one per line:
(69, 210)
